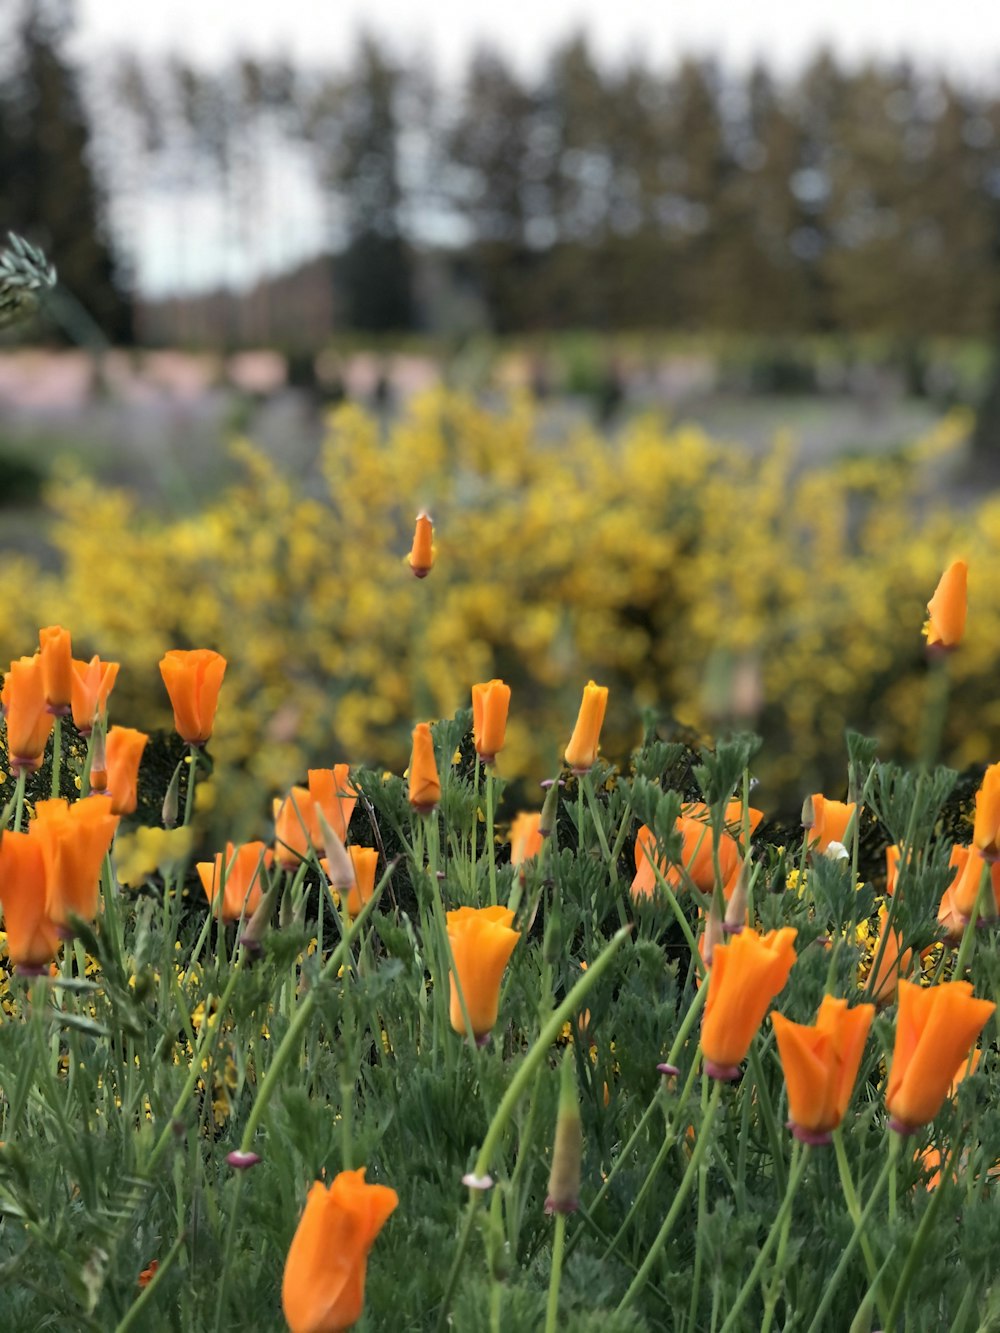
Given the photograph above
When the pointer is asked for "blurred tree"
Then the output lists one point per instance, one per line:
(49, 191)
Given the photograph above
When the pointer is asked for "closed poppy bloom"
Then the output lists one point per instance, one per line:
(193, 679)
(986, 831)
(581, 753)
(950, 920)
(424, 783)
(365, 863)
(829, 821)
(32, 937)
(698, 862)
(91, 684)
(331, 792)
(893, 964)
(294, 823)
(936, 1028)
(56, 652)
(240, 888)
(323, 1289)
(946, 609)
(490, 704)
(746, 974)
(75, 840)
(965, 887)
(734, 814)
(821, 1063)
(29, 723)
(123, 750)
(891, 868)
(482, 942)
(645, 881)
(421, 557)
(526, 839)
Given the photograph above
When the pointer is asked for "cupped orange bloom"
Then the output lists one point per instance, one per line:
(482, 942)
(294, 824)
(75, 840)
(821, 1063)
(893, 964)
(734, 814)
(581, 752)
(986, 831)
(421, 557)
(526, 839)
(746, 974)
(332, 793)
(123, 750)
(239, 882)
(965, 887)
(56, 652)
(32, 937)
(696, 864)
(29, 723)
(936, 1027)
(323, 1289)
(193, 678)
(424, 783)
(92, 682)
(829, 821)
(946, 609)
(490, 705)
(365, 863)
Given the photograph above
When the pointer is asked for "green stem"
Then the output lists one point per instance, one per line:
(227, 1255)
(491, 851)
(19, 799)
(56, 755)
(595, 812)
(767, 1111)
(456, 1263)
(894, 1144)
(558, 1243)
(854, 1206)
(193, 756)
(858, 1237)
(780, 1259)
(919, 1241)
(138, 1306)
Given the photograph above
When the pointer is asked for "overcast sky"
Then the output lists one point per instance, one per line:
(950, 34)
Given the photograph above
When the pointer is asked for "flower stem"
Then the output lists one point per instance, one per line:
(56, 755)
(138, 1306)
(558, 1244)
(854, 1207)
(491, 851)
(919, 1241)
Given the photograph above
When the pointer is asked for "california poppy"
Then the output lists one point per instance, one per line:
(490, 705)
(581, 752)
(123, 751)
(745, 976)
(75, 840)
(90, 686)
(323, 1289)
(820, 1063)
(421, 557)
(29, 723)
(946, 609)
(965, 887)
(241, 888)
(331, 791)
(294, 824)
(56, 652)
(482, 942)
(526, 839)
(936, 1027)
(32, 937)
(986, 831)
(365, 863)
(193, 679)
(829, 823)
(891, 966)
(424, 783)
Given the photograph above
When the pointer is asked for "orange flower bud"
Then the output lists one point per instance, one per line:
(947, 608)
(821, 1065)
(365, 862)
(526, 839)
(331, 792)
(29, 723)
(746, 974)
(32, 938)
(986, 832)
(323, 1289)
(75, 840)
(490, 703)
(91, 684)
(57, 667)
(421, 557)
(241, 887)
(482, 942)
(193, 679)
(893, 964)
(830, 821)
(936, 1027)
(124, 749)
(581, 753)
(424, 783)
(294, 820)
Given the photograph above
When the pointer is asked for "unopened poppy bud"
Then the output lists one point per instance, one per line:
(736, 908)
(56, 652)
(98, 780)
(564, 1178)
(421, 557)
(490, 705)
(946, 609)
(808, 813)
(260, 922)
(424, 785)
(547, 823)
(242, 1161)
(172, 800)
(713, 935)
(581, 752)
(337, 863)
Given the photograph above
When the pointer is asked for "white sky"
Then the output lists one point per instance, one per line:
(949, 34)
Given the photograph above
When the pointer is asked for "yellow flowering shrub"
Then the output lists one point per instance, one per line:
(663, 563)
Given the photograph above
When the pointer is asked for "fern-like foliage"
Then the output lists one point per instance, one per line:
(24, 272)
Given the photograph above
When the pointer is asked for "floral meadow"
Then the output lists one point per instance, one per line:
(583, 1007)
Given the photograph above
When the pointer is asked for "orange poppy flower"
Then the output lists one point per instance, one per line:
(421, 557)
(241, 889)
(946, 609)
(746, 974)
(526, 839)
(964, 888)
(986, 831)
(424, 783)
(821, 1065)
(294, 824)
(936, 1027)
(490, 704)
(892, 966)
(365, 863)
(482, 942)
(29, 723)
(193, 679)
(696, 860)
(734, 814)
(123, 752)
(331, 792)
(581, 752)
(323, 1289)
(75, 840)
(32, 938)
(829, 821)
(91, 684)
(56, 652)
